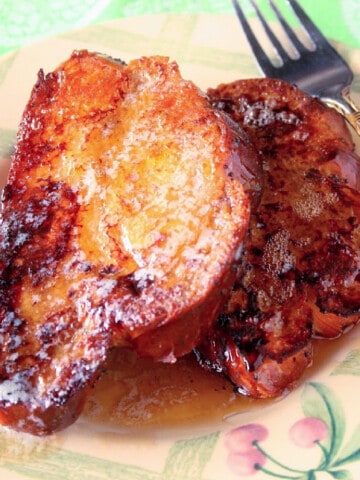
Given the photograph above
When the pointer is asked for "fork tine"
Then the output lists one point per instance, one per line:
(260, 55)
(297, 44)
(273, 39)
(314, 33)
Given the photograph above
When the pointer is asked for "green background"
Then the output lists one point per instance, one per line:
(24, 21)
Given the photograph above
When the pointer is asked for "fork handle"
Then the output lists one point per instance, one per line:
(346, 106)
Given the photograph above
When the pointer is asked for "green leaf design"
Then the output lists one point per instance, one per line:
(188, 458)
(350, 365)
(5, 64)
(7, 141)
(341, 474)
(351, 451)
(319, 401)
(60, 464)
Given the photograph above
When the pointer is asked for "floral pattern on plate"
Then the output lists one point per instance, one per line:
(322, 427)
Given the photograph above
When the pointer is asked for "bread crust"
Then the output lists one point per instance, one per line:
(301, 258)
(123, 215)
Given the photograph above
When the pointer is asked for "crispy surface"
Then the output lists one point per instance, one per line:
(301, 257)
(122, 219)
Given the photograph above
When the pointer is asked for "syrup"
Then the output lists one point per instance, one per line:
(136, 393)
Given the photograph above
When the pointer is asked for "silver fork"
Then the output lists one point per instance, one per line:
(320, 71)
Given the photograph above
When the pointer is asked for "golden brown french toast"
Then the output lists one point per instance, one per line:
(301, 258)
(122, 218)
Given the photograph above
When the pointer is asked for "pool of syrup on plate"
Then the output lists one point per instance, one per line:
(136, 393)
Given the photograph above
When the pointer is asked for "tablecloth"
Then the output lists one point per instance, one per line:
(25, 21)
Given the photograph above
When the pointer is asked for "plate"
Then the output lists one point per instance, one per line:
(176, 422)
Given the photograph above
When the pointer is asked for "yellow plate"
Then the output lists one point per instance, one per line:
(162, 422)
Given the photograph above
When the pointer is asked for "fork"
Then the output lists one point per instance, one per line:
(319, 71)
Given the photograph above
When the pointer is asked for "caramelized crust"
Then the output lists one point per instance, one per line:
(121, 225)
(301, 257)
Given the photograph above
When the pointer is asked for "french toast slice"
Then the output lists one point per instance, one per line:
(125, 208)
(302, 255)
